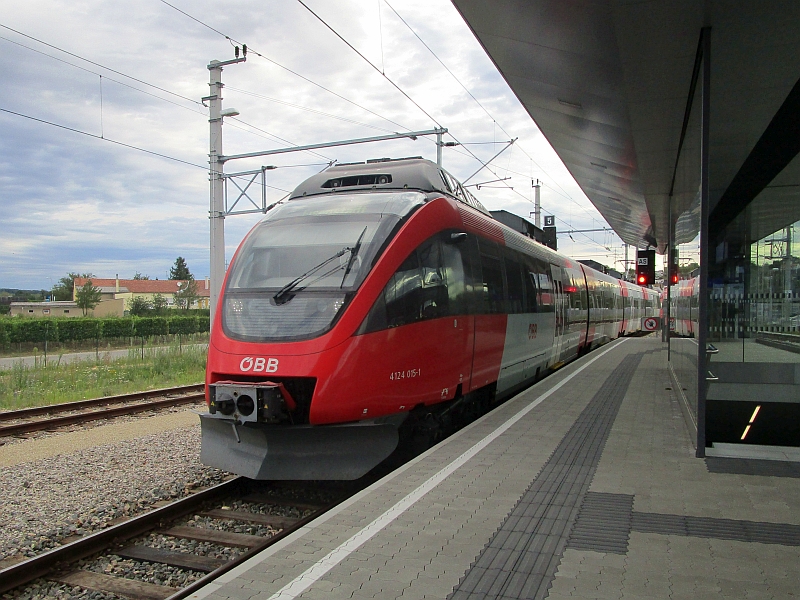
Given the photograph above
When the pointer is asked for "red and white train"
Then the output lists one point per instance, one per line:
(381, 294)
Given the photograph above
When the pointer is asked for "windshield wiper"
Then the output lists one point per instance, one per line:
(292, 285)
(353, 255)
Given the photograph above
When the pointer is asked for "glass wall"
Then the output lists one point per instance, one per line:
(684, 310)
(754, 321)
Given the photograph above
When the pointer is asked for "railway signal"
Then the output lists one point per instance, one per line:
(646, 267)
(673, 267)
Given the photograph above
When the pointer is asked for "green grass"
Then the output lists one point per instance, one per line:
(23, 386)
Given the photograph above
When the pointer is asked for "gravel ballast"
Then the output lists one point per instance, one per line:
(53, 500)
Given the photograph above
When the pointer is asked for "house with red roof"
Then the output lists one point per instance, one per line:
(128, 289)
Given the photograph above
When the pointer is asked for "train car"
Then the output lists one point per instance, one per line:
(377, 297)
(684, 307)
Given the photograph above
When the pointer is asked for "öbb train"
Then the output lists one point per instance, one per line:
(382, 295)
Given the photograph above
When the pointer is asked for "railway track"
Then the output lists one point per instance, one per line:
(28, 420)
(237, 501)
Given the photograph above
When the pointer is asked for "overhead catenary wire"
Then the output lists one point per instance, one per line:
(251, 50)
(369, 62)
(307, 109)
(104, 139)
(97, 64)
(441, 62)
(101, 77)
(280, 138)
(122, 83)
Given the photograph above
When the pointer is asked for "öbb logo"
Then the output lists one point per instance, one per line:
(259, 364)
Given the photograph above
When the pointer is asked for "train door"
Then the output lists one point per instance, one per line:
(560, 313)
(626, 308)
(417, 338)
(490, 318)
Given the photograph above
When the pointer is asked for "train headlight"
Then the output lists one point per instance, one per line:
(264, 402)
(245, 405)
(225, 404)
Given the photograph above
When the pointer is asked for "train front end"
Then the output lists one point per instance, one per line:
(278, 355)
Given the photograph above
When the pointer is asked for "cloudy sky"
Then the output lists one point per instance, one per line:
(119, 75)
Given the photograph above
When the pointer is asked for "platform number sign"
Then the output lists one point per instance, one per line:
(646, 267)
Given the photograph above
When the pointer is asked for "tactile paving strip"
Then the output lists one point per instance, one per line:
(604, 523)
(606, 520)
(723, 529)
(521, 559)
(750, 466)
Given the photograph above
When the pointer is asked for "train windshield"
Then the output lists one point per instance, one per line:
(299, 267)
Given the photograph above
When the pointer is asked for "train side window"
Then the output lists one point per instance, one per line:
(455, 274)
(492, 270)
(545, 285)
(515, 284)
(531, 293)
(472, 271)
(434, 288)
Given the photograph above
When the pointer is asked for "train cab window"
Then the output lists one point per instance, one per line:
(403, 293)
(446, 179)
(420, 289)
(492, 269)
(515, 284)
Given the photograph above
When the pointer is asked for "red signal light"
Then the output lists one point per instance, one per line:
(642, 279)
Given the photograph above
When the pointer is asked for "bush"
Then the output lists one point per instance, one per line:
(33, 330)
(5, 325)
(203, 324)
(116, 328)
(149, 326)
(183, 325)
(78, 329)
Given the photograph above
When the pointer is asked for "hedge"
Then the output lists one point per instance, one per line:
(183, 325)
(5, 325)
(33, 330)
(29, 329)
(149, 326)
(116, 328)
(78, 329)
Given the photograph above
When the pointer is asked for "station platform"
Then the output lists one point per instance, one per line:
(583, 486)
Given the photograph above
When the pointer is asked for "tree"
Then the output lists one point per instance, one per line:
(63, 290)
(139, 277)
(186, 294)
(87, 297)
(686, 270)
(139, 306)
(180, 271)
(159, 304)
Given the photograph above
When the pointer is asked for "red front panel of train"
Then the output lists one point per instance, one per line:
(396, 369)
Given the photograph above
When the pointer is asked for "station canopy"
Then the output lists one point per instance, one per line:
(607, 83)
